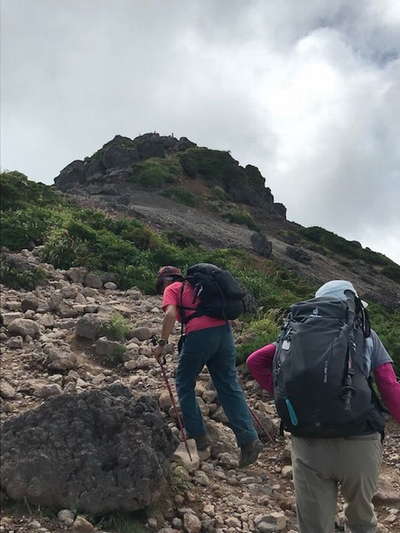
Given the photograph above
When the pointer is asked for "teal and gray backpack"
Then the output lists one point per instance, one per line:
(321, 382)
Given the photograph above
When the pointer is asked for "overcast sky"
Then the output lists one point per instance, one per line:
(308, 90)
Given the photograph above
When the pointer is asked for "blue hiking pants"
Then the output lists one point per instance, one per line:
(213, 347)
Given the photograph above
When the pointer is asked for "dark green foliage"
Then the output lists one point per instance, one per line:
(17, 192)
(237, 215)
(212, 165)
(182, 196)
(117, 329)
(25, 228)
(122, 522)
(16, 279)
(339, 245)
(392, 272)
(387, 324)
(180, 239)
(257, 334)
(155, 172)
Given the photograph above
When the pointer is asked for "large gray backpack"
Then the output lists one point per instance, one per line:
(321, 385)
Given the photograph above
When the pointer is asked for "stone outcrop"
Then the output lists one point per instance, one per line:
(118, 154)
(97, 451)
(108, 172)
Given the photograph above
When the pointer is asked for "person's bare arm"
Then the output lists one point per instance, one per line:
(168, 322)
(166, 329)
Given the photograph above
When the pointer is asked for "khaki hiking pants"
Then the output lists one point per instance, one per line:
(320, 466)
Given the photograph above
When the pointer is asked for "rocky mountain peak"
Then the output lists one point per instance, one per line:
(156, 162)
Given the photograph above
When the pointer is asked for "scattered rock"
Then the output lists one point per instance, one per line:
(89, 326)
(191, 523)
(76, 274)
(7, 391)
(298, 254)
(261, 245)
(30, 302)
(8, 318)
(111, 286)
(106, 348)
(93, 281)
(192, 462)
(48, 390)
(142, 334)
(15, 342)
(81, 525)
(60, 358)
(66, 517)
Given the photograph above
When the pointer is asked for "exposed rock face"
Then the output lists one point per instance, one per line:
(298, 254)
(261, 244)
(107, 172)
(97, 451)
(119, 153)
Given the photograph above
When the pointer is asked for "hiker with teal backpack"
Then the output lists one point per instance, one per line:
(321, 373)
(204, 302)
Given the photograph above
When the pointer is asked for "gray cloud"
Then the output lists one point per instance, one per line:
(307, 91)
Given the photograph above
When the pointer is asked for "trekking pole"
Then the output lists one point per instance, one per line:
(261, 425)
(171, 395)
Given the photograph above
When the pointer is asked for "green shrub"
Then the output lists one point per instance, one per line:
(257, 334)
(115, 358)
(337, 244)
(181, 196)
(240, 216)
(17, 192)
(392, 272)
(16, 279)
(180, 239)
(120, 522)
(117, 329)
(155, 172)
(24, 228)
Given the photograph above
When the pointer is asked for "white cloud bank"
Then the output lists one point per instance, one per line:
(308, 91)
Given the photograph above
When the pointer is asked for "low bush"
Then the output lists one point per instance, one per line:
(181, 196)
(15, 279)
(392, 272)
(155, 172)
(240, 216)
(257, 334)
(117, 329)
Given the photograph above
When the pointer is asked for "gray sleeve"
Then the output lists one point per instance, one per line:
(379, 355)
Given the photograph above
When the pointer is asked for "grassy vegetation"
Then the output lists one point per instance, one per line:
(339, 245)
(181, 196)
(156, 172)
(117, 329)
(17, 279)
(238, 215)
(72, 236)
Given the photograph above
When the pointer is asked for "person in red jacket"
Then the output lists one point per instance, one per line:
(319, 464)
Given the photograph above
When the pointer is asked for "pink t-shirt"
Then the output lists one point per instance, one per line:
(172, 296)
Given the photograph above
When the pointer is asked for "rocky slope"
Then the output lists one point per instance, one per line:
(66, 341)
(205, 195)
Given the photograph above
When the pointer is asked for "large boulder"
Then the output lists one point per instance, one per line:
(97, 452)
(24, 327)
(90, 326)
(261, 245)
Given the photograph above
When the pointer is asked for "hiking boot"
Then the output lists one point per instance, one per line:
(249, 452)
(202, 442)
